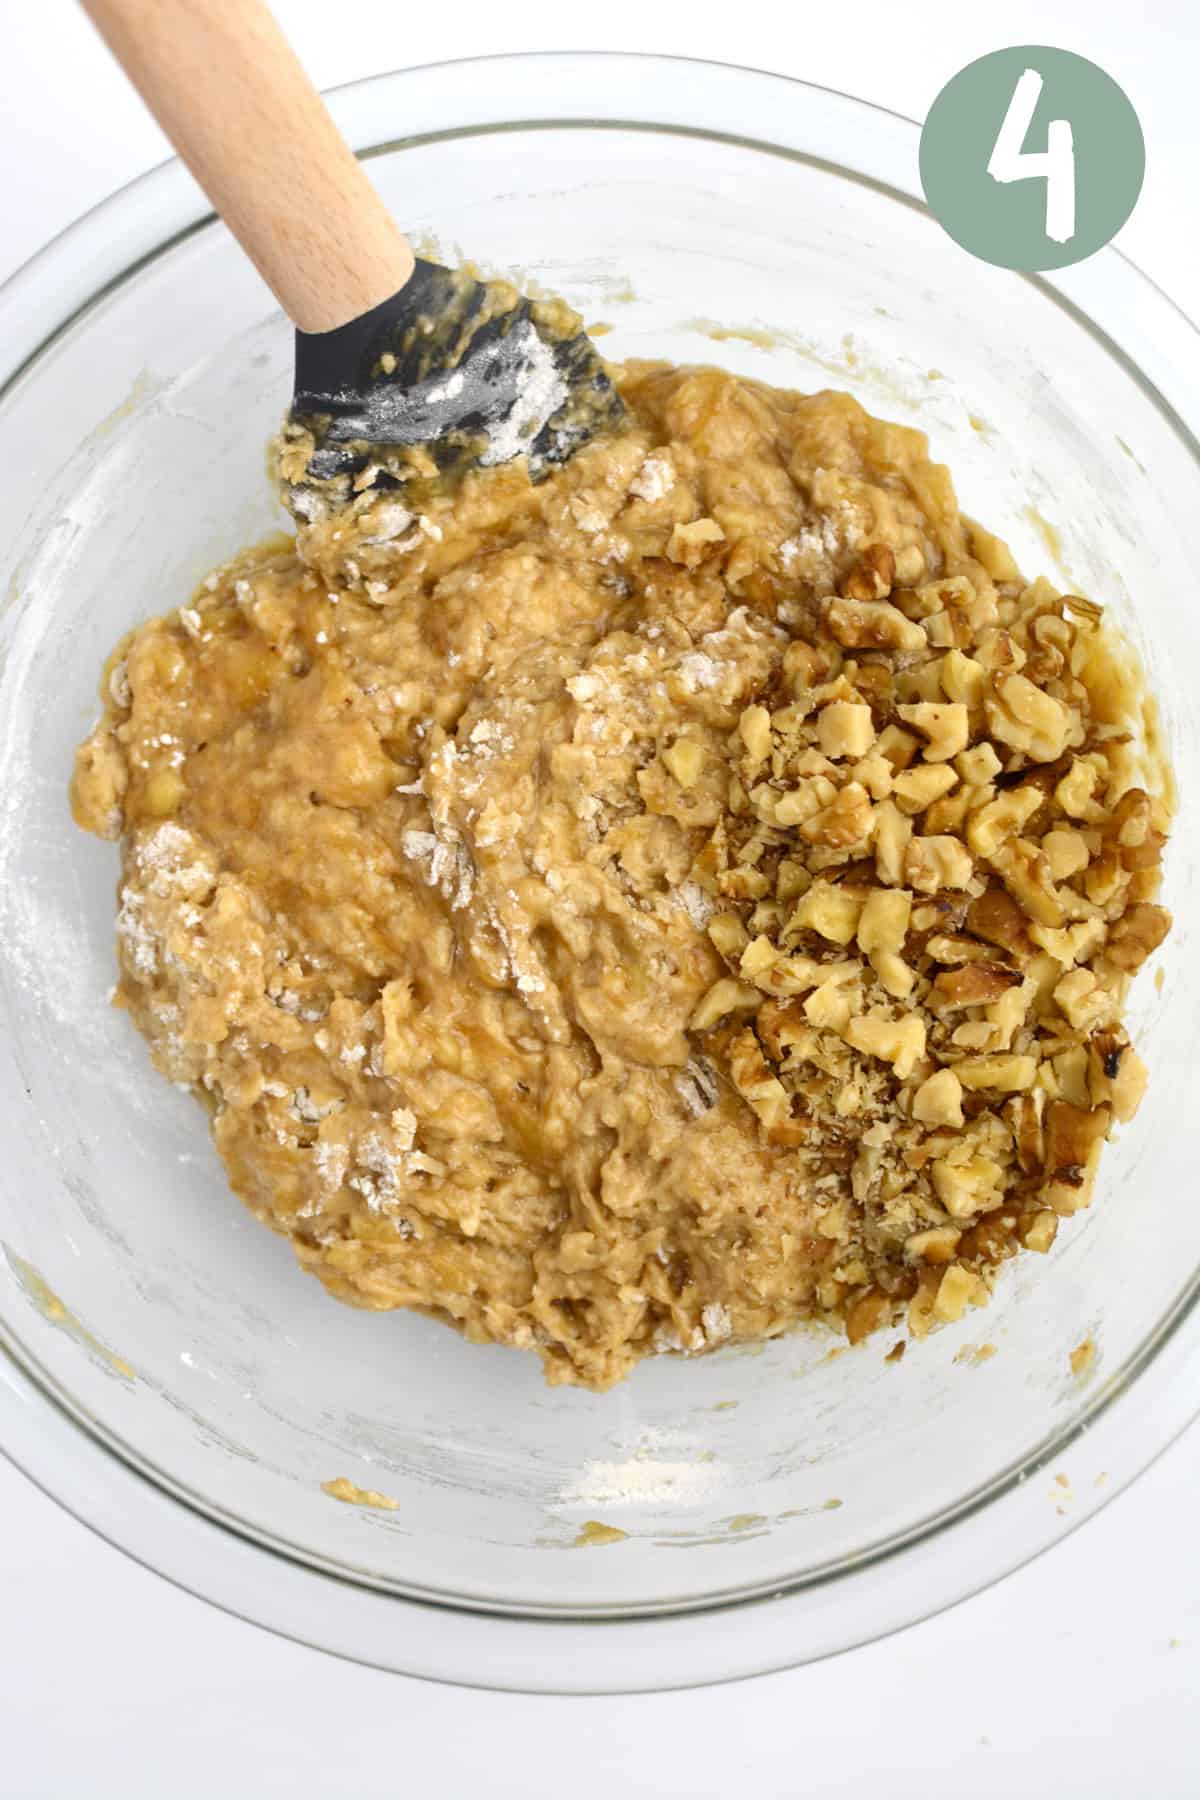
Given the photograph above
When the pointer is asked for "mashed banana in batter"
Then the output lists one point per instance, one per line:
(650, 908)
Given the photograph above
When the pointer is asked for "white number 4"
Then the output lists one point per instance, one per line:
(1055, 165)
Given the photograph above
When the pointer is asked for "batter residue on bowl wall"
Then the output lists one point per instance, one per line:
(342, 1488)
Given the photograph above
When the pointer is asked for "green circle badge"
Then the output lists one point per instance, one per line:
(1032, 158)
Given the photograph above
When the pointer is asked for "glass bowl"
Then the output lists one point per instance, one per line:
(170, 1375)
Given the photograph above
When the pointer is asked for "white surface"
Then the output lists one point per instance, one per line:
(1072, 1678)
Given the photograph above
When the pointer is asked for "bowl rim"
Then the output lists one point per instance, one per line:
(72, 274)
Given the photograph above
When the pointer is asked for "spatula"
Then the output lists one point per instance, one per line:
(404, 369)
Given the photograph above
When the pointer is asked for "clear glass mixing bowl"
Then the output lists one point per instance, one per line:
(171, 1377)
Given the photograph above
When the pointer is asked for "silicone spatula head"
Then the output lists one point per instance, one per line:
(403, 368)
(449, 372)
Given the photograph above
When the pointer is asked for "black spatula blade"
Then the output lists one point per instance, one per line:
(450, 372)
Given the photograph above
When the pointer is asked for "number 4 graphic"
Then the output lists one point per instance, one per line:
(1055, 165)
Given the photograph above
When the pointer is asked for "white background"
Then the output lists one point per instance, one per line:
(1077, 1676)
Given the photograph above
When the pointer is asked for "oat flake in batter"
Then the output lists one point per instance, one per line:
(578, 905)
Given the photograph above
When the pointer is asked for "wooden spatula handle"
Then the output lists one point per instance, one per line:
(228, 90)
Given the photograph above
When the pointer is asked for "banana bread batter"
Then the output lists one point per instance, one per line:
(645, 909)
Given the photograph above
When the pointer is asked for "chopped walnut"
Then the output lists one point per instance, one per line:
(832, 911)
(897, 747)
(933, 863)
(728, 934)
(900, 1042)
(754, 727)
(723, 998)
(1082, 1000)
(872, 625)
(1073, 943)
(1066, 853)
(830, 1006)
(993, 824)
(883, 922)
(915, 789)
(1074, 1136)
(893, 973)
(690, 544)
(937, 875)
(958, 1289)
(978, 766)
(867, 1314)
(964, 1188)
(1027, 718)
(1117, 1076)
(1131, 823)
(845, 729)
(997, 918)
(1041, 1231)
(752, 1077)
(934, 1246)
(973, 983)
(846, 821)
(1004, 1073)
(758, 958)
(945, 728)
(998, 651)
(876, 775)
(951, 949)
(1023, 869)
(1136, 935)
(871, 576)
(938, 1100)
(1075, 792)
(893, 833)
(685, 759)
(962, 678)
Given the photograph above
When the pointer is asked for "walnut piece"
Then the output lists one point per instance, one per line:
(871, 577)
(832, 911)
(723, 997)
(944, 727)
(1023, 869)
(900, 1042)
(690, 544)
(1004, 1073)
(974, 983)
(993, 824)
(754, 727)
(872, 625)
(883, 922)
(1027, 718)
(964, 1188)
(933, 863)
(1074, 1136)
(938, 1100)
(845, 729)
(685, 759)
(1136, 936)
(997, 918)
(892, 835)
(846, 821)
(915, 789)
